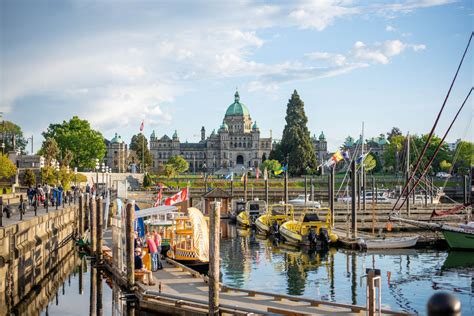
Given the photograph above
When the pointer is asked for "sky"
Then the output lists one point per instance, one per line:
(176, 65)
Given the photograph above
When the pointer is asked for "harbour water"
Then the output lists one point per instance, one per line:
(409, 277)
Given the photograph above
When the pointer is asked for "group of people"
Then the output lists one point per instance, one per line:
(46, 194)
(152, 243)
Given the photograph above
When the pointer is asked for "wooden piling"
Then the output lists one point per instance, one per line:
(353, 199)
(466, 189)
(81, 217)
(286, 187)
(99, 290)
(129, 246)
(93, 228)
(245, 186)
(99, 230)
(214, 239)
(93, 292)
(331, 197)
(266, 190)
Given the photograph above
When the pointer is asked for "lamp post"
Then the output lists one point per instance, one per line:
(97, 167)
(68, 195)
(75, 183)
(103, 171)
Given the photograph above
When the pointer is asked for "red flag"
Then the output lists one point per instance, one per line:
(178, 197)
(142, 126)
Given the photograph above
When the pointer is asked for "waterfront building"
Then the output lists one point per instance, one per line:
(320, 147)
(376, 145)
(236, 145)
(117, 154)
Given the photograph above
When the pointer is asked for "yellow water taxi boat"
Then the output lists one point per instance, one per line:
(189, 244)
(309, 229)
(253, 209)
(276, 215)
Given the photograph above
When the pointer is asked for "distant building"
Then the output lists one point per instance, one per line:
(376, 145)
(453, 146)
(320, 147)
(117, 154)
(235, 146)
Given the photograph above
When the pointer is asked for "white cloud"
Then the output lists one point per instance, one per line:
(336, 59)
(418, 47)
(390, 28)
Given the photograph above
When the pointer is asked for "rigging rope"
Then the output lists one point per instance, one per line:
(438, 147)
(417, 165)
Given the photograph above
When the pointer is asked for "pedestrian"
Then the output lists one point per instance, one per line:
(88, 188)
(29, 193)
(148, 275)
(152, 249)
(157, 239)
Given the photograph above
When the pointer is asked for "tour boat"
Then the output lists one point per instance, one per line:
(302, 200)
(276, 215)
(309, 229)
(253, 209)
(388, 242)
(162, 223)
(189, 244)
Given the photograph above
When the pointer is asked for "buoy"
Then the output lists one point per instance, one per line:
(389, 226)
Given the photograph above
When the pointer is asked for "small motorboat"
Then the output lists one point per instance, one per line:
(276, 215)
(388, 242)
(309, 229)
(253, 209)
(302, 200)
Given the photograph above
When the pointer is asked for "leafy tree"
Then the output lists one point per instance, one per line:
(271, 166)
(29, 178)
(394, 132)
(179, 164)
(67, 158)
(48, 175)
(12, 131)
(169, 170)
(139, 144)
(296, 141)
(7, 168)
(147, 180)
(465, 158)
(392, 154)
(445, 166)
(369, 162)
(443, 154)
(50, 150)
(78, 137)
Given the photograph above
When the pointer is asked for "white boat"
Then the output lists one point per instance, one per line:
(381, 198)
(300, 200)
(389, 242)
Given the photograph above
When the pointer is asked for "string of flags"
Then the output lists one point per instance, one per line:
(283, 168)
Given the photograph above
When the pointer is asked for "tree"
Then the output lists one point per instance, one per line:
(296, 142)
(147, 180)
(443, 154)
(392, 153)
(67, 158)
(445, 166)
(179, 164)
(139, 144)
(7, 168)
(29, 178)
(49, 150)
(465, 159)
(12, 133)
(77, 136)
(271, 166)
(169, 170)
(48, 175)
(394, 132)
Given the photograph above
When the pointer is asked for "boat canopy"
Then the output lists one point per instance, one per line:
(155, 211)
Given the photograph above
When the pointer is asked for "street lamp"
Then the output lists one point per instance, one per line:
(103, 171)
(75, 183)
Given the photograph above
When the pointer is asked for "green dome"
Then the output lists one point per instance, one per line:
(237, 108)
(116, 140)
(255, 127)
(224, 126)
(322, 137)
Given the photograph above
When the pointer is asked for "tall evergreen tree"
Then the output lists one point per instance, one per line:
(139, 144)
(296, 142)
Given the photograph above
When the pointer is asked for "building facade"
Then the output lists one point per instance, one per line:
(117, 154)
(320, 148)
(236, 146)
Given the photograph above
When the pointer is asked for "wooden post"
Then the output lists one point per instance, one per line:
(353, 199)
(214, 239)
(93, 228)
(81, 217)
(93, 289)
(266, 190)
(1, 211)
(99, 293)
(245, 187)
(359, 184)
(286, 187)
(408, 197)
(99, 230)
(465, 191)
(312, 188)
(432, 190)
(370, 292)
(364, 204)
(232, 186)
(331, 198)
(373, 205)
(329, 189)
(81, 283)
(87, 223)
(129, 236)
(305, 189)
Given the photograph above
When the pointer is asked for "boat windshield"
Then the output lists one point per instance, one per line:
(311, 217)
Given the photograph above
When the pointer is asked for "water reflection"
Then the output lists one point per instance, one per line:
(409, 277)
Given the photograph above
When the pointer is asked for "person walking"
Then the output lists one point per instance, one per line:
(152, 249)
(157, 239)
(29, 193)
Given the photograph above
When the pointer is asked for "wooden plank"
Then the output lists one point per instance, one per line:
(282, 311)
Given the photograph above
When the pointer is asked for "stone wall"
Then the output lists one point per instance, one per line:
(29, 250)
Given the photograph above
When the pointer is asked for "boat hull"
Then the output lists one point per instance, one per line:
(459, 240)
(390, 243)
(290, 236)
(262, 227)
(199, 266)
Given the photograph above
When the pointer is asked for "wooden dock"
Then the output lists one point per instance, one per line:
(180, 290)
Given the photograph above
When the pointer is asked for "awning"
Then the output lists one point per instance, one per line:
(155, 211)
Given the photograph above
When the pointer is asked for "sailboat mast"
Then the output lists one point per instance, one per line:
(408, 174)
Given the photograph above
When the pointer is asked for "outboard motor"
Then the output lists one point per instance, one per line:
(275, 229)
(312, 237)
(324, 237)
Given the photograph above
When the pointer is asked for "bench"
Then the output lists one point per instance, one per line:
(139, 275)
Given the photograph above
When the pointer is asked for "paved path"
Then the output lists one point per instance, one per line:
(29, 214)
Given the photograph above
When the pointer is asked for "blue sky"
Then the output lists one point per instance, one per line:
(177, 65)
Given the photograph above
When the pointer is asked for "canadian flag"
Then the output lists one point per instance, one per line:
(178, 197)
